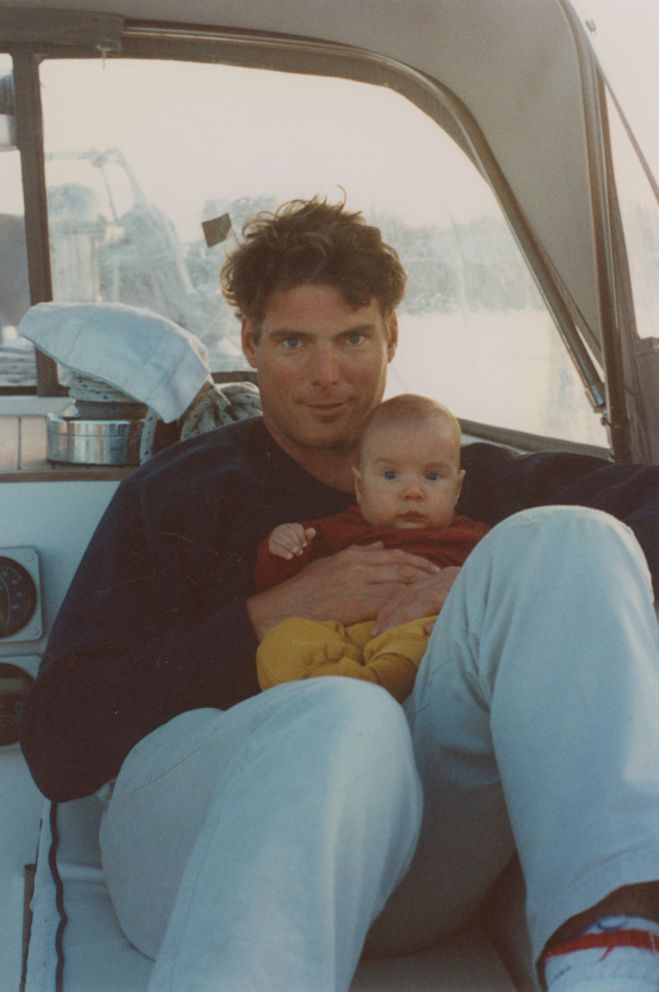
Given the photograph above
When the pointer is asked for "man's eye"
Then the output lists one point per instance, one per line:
(389, 474)
(355, 338)
(291, 342)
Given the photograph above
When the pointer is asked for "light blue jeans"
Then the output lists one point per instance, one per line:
(250, 851)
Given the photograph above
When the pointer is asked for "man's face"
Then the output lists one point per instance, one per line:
(322, 368)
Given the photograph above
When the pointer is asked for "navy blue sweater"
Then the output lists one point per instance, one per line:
(155, 620)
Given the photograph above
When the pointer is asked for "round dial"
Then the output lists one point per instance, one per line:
(18, 596)
(15, 686)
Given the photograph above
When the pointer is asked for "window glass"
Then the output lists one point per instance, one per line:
(140, 153)
(624, 38)
(17, 367)
(640, 216)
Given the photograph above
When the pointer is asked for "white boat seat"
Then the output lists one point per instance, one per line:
(98, 958)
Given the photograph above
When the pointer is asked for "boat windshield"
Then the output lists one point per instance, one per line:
(140, 152)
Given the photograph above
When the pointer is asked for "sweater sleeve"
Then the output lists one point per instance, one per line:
(500, 482)
(130, 650)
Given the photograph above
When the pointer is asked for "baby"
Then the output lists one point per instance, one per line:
(407, 485)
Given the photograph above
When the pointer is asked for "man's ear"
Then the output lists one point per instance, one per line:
(248, 342)
(358, 483)
(392, 335)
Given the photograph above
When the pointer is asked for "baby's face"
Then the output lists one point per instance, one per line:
(409, 477)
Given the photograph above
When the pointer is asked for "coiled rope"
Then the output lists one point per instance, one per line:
(215, 405)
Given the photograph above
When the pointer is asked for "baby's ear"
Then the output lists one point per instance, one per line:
(461, 479)
(358, 482)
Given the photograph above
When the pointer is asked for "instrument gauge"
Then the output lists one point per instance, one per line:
(15, 684)
(18, 596)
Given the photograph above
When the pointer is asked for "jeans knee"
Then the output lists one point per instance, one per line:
(357, 704)
(560, 530)
(560, 517)
(561, 552)
(362, 721)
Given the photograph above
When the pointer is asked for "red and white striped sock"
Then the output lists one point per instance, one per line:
(615, 954)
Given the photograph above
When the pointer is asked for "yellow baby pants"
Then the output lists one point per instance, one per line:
(303, 649)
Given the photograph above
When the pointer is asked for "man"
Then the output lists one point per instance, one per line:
(252, 839)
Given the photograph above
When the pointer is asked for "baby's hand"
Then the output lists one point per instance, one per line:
(289, 540)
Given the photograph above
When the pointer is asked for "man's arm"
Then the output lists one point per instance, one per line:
(135, 644)
(349, 586)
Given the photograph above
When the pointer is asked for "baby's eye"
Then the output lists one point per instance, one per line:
(432, 476)
(390, 473)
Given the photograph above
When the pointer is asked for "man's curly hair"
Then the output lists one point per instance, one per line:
(316, 242)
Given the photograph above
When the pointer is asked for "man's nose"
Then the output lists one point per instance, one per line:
(324, 366)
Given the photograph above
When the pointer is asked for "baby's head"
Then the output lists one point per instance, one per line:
(409, 471)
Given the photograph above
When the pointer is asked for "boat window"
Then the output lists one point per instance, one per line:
(624, 38)
(17, 365)
(140, 152)
(640, 216)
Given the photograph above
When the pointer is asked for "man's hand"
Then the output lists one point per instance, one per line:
(424, 597)
(352, 585)
(290, 540)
